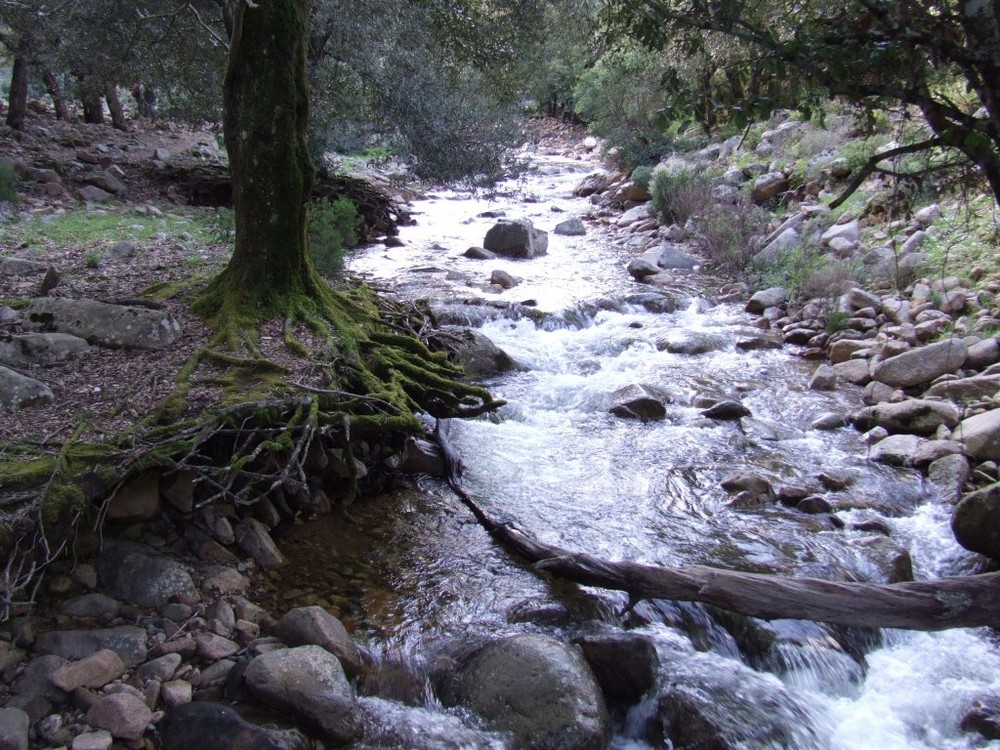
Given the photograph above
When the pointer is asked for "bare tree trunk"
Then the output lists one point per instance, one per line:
(958, 602)
(115, 106)
(17, 97)
(90, 97)
(55, 91)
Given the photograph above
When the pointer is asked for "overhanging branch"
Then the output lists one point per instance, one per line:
(871, 165)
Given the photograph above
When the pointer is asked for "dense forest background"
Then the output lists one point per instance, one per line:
(446, 83)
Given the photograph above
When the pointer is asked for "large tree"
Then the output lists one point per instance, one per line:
(265, 114)
(870, 51)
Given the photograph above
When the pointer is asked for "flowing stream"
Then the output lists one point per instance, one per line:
(560, 466)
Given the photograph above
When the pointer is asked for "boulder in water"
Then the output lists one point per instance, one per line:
(516, 238)
(637, 401)
(625, 665)
(976, 521)
(536, 687)
(726, 410)
(572, 227)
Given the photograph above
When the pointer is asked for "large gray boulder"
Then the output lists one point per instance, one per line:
(768, 186)
(308, 683)
(478, 355)
(915, 416)
(766, 298)
(980, 435)
(18, 391)
(572, 227)
(14, 725)
(976, 521)
(135, 574)
(687, 341)
(114, 326)
(896, 450)
(314, 626)
(916, 366)
(27, 349)
(976, 388)
(516, 238)
(625, 665)
(128, 641)
(536, 687)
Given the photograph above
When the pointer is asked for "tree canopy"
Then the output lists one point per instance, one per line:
(941, 57)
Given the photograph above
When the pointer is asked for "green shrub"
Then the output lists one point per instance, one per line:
(807, 273)
(92, 259)
(679, 193)
(8, 183)
(642, 176)
(836, 320)
(333, 226)
(727, 230)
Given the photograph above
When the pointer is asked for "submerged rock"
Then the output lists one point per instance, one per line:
(210, 725)
(637, 401)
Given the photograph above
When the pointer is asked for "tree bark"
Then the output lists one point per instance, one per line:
(55, 91)
(90, 97)
(958, 602)
(17, 96)
(115, 106)
(265, 102)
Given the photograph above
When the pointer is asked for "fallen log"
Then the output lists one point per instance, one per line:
(939, 604)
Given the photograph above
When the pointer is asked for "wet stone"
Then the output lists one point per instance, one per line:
(14, 725)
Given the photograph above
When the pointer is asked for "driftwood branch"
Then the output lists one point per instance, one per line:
(956, 602)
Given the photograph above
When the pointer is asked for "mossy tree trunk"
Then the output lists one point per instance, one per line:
(265, 113)
(17, 96)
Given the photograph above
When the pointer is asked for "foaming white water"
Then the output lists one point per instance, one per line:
(915, 694)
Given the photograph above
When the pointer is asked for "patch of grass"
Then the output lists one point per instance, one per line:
(82, 228)
(836, 320)
(92, 259)
(806, 273)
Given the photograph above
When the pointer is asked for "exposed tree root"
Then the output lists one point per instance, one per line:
(268, 434)
(953, 602)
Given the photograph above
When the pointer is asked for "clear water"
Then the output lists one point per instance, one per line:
(560, 466)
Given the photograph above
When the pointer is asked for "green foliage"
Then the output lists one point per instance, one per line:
(642, 176)
(92, 259)
(807, 273)
(726, 232)
(83, 228)
(622, 99)
(678, 193)
(8, 183)
(333, 226)
(836, 320)
(223, 228)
